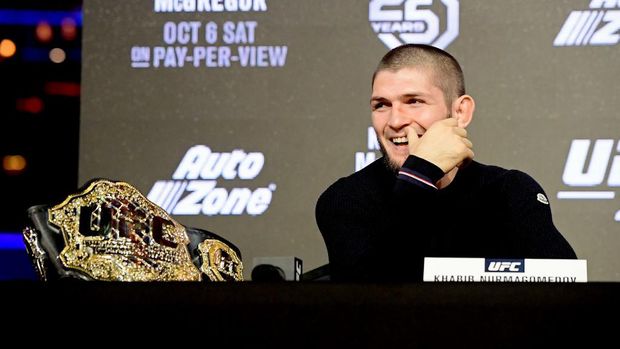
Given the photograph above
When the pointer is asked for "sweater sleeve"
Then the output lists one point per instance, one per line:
(419, 172)
(528, 220)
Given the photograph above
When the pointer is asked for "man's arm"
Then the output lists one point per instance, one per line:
(376, 230)
(527, 217)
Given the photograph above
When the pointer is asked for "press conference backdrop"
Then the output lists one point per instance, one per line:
(235, 115)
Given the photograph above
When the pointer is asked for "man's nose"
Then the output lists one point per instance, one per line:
(398, 118)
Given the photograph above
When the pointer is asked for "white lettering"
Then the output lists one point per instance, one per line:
(245, 5)
(214, 165)
(211, 59)
(192, 162)
(237, 201)
(158, 55)
(214, 201)
(209, 5)
(251, 166)
(188, 5)
(607, 35)
(169, 32)
(140, 53)
(377, 13)
(262, 56)
(170, 56)
(203, 197)
(239, 33)
(397, 22)
(574, 174)
(614, 172)
(504, 266)
(181, 53)
(175, 5)
(373, 142)
(412, 13)
(277, 55)
(212, 56)
(399, 27)
(494, 266)
(204, 5)
(259, 5)
(200, 161)
(604, 3)
(514, 266)
(363, 159)
(217, 6)
(199, 54)
(229, 170)
(259, 202)
(190, 205)
(163, 6)
(211, 32)
(223, 56)
(231, 5)
(253, 56)
(183, 32)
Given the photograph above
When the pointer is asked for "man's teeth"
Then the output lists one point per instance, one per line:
(400, 140)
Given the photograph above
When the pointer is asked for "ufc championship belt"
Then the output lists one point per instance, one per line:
(111, 232)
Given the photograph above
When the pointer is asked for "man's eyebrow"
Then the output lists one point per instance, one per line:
(414, 94)
(406, 95)
(377, 98)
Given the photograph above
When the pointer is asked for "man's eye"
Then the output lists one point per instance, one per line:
(413, 101)
(377, 106)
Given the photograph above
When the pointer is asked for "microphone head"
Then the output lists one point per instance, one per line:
(268, 272)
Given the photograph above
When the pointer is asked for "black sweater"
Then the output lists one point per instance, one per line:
(378, 226)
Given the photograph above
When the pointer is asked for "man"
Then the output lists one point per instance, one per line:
(426, 197)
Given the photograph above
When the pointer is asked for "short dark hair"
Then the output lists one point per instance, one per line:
(448, 74)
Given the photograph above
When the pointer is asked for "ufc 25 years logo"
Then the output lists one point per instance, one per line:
(398, 22)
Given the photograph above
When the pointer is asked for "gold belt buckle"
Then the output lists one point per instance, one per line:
(113, 233)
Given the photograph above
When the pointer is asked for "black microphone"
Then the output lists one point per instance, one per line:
(268, 273)
(283, 268)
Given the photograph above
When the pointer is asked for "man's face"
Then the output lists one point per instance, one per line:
(406, 97)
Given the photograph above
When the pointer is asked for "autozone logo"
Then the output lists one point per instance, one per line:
(398, 22)
(194, 189)
(504, 265)
(591, 165)
(597, 26)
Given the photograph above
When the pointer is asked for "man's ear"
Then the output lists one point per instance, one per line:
(463, 109)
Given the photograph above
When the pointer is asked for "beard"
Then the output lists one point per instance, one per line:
(388, 162)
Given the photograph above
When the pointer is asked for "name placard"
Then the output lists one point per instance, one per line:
(504, 270)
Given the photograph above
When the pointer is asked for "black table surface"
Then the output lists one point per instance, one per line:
(323, 314)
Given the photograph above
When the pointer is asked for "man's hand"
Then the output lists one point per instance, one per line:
(444, 144)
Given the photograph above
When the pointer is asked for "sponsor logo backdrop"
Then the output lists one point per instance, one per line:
(236, 115)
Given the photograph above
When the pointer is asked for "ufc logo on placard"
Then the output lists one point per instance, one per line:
(503, 265)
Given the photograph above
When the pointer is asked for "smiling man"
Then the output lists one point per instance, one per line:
(427, 197)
